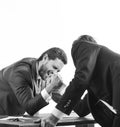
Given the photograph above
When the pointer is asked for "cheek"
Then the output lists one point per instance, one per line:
(48, 67)
(43, 70)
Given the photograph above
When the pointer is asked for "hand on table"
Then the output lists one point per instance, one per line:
(49, 121)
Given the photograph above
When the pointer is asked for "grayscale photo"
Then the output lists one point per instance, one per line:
(59, 63)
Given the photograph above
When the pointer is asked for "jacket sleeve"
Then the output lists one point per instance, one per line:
(82, 108)
(20, 85)
(85, 64)
(116, 121)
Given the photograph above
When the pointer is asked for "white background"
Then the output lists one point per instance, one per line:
(29, 27)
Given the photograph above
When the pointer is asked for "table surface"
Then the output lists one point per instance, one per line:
(25, 121)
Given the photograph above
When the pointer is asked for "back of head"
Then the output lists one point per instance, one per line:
(76, 43)
(54, 53)
(85, 38)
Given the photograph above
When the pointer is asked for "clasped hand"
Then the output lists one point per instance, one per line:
(54, 83)
(49, 121)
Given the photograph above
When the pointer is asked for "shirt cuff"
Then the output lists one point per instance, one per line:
(57, 113)
(45, 95)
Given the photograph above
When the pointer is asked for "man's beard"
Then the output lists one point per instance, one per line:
(43, 72)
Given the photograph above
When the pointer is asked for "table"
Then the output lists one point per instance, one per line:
(28, 121)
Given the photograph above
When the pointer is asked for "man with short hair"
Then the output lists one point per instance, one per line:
(24, 85)
(98, 72)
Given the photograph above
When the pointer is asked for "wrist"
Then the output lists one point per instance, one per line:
(48, 89)
(54, 119)
(45, 95)
(57, 113)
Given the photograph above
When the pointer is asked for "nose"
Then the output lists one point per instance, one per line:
(50, 72)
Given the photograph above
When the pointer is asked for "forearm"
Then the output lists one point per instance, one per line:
(82, 108)
(35, 104)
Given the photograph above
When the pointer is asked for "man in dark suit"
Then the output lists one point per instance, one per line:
(98, 72)
(24, 86)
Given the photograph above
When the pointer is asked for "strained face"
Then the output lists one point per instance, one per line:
(50, 67)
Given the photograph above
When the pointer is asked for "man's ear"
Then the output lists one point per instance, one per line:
(45, 57)
(44, 60)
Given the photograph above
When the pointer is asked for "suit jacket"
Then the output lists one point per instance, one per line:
(101, 113)
(97, 70)
(17, 94)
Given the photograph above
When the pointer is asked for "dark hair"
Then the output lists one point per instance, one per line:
(87, 38)
(54, 53)
(76, 44)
